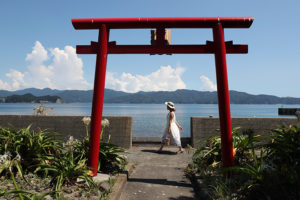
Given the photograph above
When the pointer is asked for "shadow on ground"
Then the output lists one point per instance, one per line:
(159, 181)
(182, 198)
(160, 152)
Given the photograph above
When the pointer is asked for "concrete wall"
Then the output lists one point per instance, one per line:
(120, 128)
(202, 127)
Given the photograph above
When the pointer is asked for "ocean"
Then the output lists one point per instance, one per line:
(149, 120)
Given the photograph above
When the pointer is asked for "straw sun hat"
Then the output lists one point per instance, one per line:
(170, 104)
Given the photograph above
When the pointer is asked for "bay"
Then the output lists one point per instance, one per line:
(149, 120)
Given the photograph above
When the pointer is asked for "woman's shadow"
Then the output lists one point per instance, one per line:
(165, 152)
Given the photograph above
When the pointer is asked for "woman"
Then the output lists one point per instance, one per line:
(172, 129)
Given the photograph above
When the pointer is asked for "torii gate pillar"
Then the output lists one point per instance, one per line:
(98, 96)
(223, 96)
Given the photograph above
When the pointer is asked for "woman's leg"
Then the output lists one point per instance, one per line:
(180, 149)
(161, 147)
(163, 142)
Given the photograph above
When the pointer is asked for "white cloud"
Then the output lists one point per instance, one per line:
(165, 78)
(17, 79)
(64, 71)
(207, 84)
(38, 55)
(4, 85)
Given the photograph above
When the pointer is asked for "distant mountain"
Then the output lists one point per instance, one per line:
(178, 96)
(201, 97)
(5, 93)
(65, 95)
(87, 96)
(33, 91)
(29, 98)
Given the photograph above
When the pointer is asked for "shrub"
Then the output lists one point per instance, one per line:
(269, 170)
(30, 145)
(43, 152)
(110, 160)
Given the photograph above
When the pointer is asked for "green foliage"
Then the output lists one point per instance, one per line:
(29, 149)
(222, 190)
(264, 169)
(30, 145)
(7, 164)
(284, 149)
(110, 159)
(209, 156)
(28, 195)
(66, 169)
(64, 163)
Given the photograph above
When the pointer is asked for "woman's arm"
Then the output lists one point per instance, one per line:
(178, 125)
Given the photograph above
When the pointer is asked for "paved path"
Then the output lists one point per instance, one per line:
(158, 176)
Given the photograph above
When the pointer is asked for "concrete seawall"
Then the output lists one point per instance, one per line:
(203, 127)
(120, 128)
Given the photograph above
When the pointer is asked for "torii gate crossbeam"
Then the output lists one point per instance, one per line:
(218, 47)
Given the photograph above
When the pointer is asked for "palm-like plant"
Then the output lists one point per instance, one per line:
(110, 159)
(66, 169)
(31, 145)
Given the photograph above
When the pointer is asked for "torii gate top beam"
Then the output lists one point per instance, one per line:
(166, 22)
(161, 23)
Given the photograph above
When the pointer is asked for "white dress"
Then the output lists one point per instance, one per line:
(175, 134)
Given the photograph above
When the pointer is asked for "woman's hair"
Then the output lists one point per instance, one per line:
(171, 109)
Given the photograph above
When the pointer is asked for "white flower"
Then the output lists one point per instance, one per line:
(5, 161)
(5, 157)
(18, 157)
(86, 120)
(71, 141)
(104, 123)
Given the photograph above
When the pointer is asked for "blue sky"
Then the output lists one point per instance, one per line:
(38, 41)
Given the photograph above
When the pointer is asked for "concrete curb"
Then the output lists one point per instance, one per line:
(199, 186)
(120, 183)
(118, 187)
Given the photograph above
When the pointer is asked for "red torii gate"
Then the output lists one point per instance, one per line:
(218, 47)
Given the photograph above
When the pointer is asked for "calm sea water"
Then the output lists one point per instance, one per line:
(149, 120)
